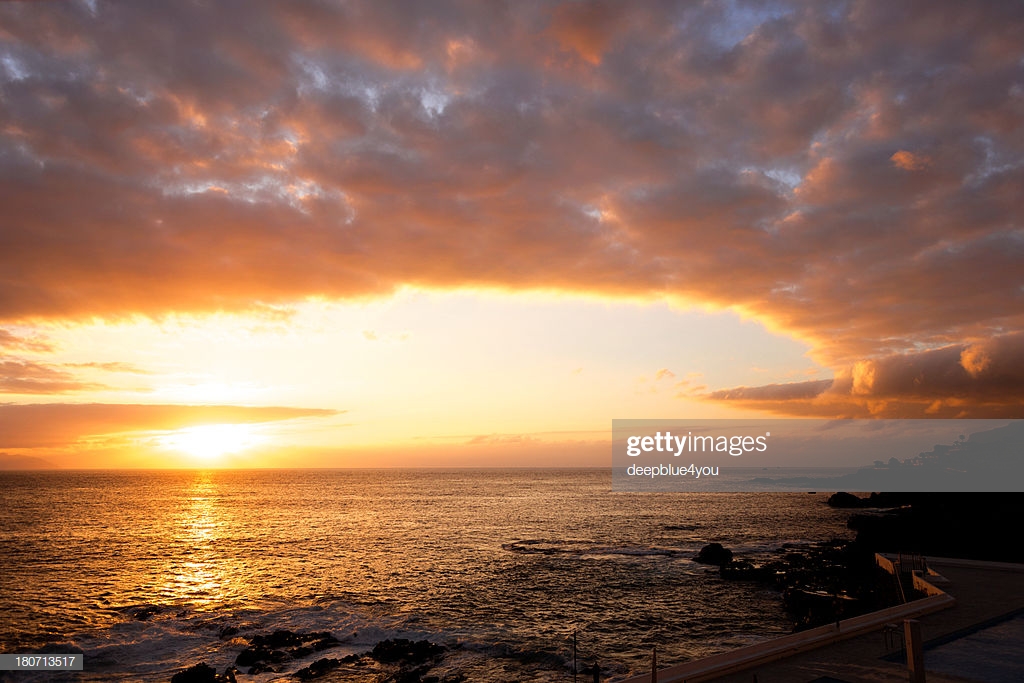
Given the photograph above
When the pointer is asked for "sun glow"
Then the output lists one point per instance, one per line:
(209, 443)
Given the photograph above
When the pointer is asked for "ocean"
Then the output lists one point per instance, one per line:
(146, 573)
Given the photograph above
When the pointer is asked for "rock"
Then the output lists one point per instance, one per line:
(324, 643)
(228, 632)
(144, 613)
(269, 648)
(261, 653)
(415, 675)
(261, 667)
(713, 553)
(249, 656)
(317, 668)
(203, 673)
(842, 499)
(402, 650)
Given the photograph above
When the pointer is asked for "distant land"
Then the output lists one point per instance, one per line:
(24, 462)
(985, 461)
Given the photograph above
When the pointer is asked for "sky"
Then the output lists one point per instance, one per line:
(473, 233)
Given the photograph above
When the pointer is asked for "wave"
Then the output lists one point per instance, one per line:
(588, 548)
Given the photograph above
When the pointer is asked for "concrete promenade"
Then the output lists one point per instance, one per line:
(983, 592)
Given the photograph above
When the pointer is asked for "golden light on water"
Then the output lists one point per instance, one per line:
(209, 443)
(200, 581)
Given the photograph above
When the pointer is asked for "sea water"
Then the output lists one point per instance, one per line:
(142, 572)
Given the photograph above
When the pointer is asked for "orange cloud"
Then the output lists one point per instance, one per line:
(18, 376)
(61, 424)
(175, 162)
(22, 377)
(112, 366)
(502, 439)
(586, 28)
(975, 360)
(11, 341)
(773, 392)
(909, 161)
(984, 380)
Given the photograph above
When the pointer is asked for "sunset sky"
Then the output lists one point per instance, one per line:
(473, 233)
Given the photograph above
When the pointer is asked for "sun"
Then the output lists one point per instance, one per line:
(209, 443)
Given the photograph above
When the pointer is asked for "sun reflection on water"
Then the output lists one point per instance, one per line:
(202, 576)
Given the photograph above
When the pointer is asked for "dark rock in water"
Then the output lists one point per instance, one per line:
(249, 656)
(283, 638)
(844, 500)
(404, 651)
(200, 673)
(318, 668)
(204, 673)
(260, 653)
(300, 652)
(144, 613)
(277, 639)
(713, 553)
(261, 668)
(269, 648)
(228, 632)
(822, 582)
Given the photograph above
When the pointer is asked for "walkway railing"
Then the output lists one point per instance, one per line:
(708, 668)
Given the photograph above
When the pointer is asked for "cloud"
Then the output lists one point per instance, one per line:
(502, 439)
(23, 377)
(61, 424)
(587, 28)
(111, 366)
(11, 341)
(975, 360)
(909, 161)
(391, 337)
(849, 173)
(18, 376)
(982, 379)
(773, 392)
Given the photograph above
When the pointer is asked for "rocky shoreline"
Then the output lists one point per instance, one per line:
(819, 582)
(825, 582)
(971, 526)
(390, 661)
